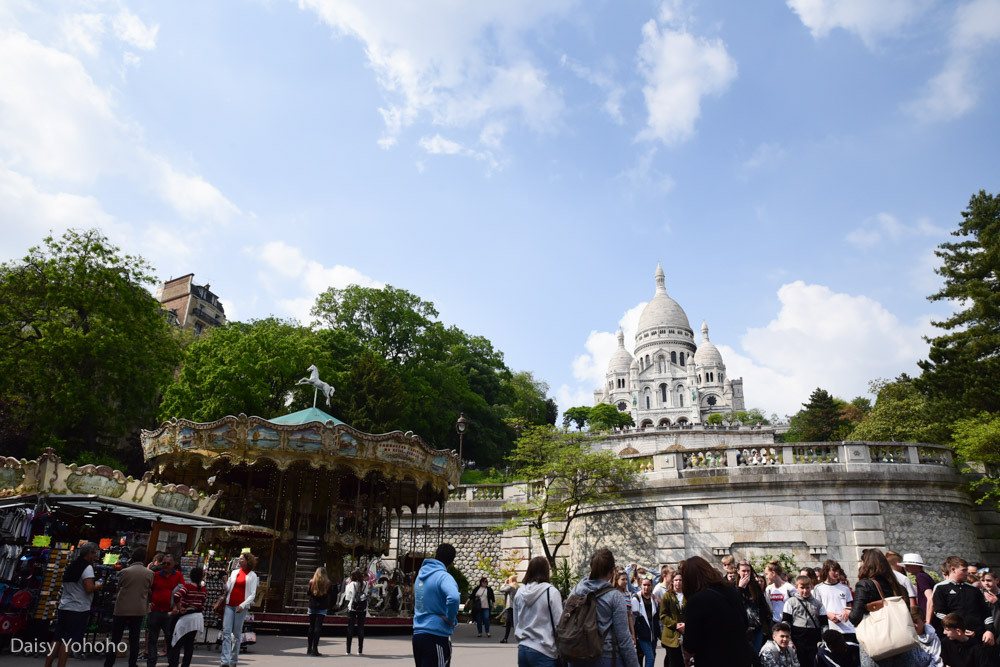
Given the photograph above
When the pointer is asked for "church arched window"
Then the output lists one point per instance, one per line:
(673, 357)
(647, 359)
(663, 394)
(720, 377)
(682, 358)
(661, 364)
(680, 395)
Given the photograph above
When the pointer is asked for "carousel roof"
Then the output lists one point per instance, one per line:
(306, 416)
(309, 436)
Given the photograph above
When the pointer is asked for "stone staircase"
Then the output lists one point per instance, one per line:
(306, 561)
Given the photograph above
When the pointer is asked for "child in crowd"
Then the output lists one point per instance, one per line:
(777, 651)
(808, 619)
(778, 589)
(959, 649)
(927, 636)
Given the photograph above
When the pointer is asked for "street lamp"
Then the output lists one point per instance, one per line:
(460, 426)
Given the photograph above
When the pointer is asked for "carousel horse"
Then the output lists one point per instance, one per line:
(314, 380)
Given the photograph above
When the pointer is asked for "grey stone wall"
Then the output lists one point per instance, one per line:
(934, 530)
(471, 544)
(629, 533)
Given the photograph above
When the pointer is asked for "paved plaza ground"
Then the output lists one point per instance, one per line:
(290, 651)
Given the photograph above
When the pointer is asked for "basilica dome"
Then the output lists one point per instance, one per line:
(707, 354)
(662, 311)
(621, 360)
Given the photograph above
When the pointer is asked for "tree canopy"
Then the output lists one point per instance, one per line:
(84, 348)
(606, 417)
(823, 418)
(565, 474)
(900, 413)
(963, 363)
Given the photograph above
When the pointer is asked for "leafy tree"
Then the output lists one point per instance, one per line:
(570, 475)
(579, 415)
(251, 367)
(748, 417)
(820, 420)
(605, 417)
(374, 396)
(526, 399)
(714, 419)
(84, 347)
(900, 413)
(964, 362)
(387, 319)
(977, 439)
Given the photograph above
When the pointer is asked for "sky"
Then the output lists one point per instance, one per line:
(524, 164)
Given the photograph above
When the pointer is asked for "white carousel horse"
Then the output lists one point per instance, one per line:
(314, 380)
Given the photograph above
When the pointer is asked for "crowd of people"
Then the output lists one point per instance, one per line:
(727, 616)
(155, 592)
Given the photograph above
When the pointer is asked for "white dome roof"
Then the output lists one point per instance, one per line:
(662, 311)
(621, 360)
(707, 354)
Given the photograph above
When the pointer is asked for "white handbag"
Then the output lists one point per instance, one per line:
(887, 630)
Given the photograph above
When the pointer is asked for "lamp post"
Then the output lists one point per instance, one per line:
(460, 426)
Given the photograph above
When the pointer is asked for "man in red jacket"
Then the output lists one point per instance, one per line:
(160, 601)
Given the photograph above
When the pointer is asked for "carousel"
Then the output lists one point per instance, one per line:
(302, 490)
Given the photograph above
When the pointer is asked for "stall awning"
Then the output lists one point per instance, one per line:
(95, 503)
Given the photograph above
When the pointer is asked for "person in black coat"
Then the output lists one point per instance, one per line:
(482, 602)
(715, 624)
(874, 576)
(758, 608)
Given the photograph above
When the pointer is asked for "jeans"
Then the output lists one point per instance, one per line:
(118, 626)
(529, 657)
(156, 622)
(431, 650)
(648, 650)
(482, 616)
(757, 640)
(232, 634)
(359, 618)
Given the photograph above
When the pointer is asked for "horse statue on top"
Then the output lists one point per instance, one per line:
(319, 385)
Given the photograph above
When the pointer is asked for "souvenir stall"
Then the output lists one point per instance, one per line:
(48, 509)
(305, 489)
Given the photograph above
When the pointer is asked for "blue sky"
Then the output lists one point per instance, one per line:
(524, 164)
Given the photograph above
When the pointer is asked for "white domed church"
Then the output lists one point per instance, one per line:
(668, 379)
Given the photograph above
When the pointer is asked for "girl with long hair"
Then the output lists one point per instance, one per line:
(715, 623)
(536, 611)
(612, 622)
(874, 575)
(356, 597)
(320, 600)
(757, 606)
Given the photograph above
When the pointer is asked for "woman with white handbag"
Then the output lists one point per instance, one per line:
(882, 617)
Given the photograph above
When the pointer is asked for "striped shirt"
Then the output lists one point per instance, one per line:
(190, 597)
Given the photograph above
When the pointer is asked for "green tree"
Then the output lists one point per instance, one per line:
(374, 395)
(964, 362)
(977, 440)
(388, 320)
(84, 347)
(252, 367)
(565, 475)
(900, 413)
(820, 420)
(525, 399)
(714, 419)
(579, 415)
(605, 417)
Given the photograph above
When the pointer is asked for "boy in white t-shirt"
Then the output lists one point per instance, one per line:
(835, 597)
(778, 589)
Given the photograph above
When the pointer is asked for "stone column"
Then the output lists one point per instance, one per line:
(670, 535)
(866, 522)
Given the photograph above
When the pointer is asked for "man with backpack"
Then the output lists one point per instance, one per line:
(593, 630)
(435, 609)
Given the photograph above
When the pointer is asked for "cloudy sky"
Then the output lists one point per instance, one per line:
(525, 163)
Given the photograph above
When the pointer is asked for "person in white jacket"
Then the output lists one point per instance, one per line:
(537, 609)
(241, 589)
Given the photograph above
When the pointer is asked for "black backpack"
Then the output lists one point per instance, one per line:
(360, 601)
(577, 635)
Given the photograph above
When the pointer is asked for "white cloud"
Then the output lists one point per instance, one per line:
(953, 92)
(28, 214)
(83, 32)
(821, 338)
(885, 228)
(304, 275)
(818, 338)
(679, 69)
(438, 145)
(130, 29)
(453, 63)
(606, 83)
(765, 154)
(59, 126)
(644, 176)
(866, 18)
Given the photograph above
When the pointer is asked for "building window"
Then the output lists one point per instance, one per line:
(682, 358)
(720, 377)
(711, 400)
(663, 394)
(622, 406)
(680, 396)
(673, 357)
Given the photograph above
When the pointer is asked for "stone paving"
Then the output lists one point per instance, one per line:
(290, 651)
